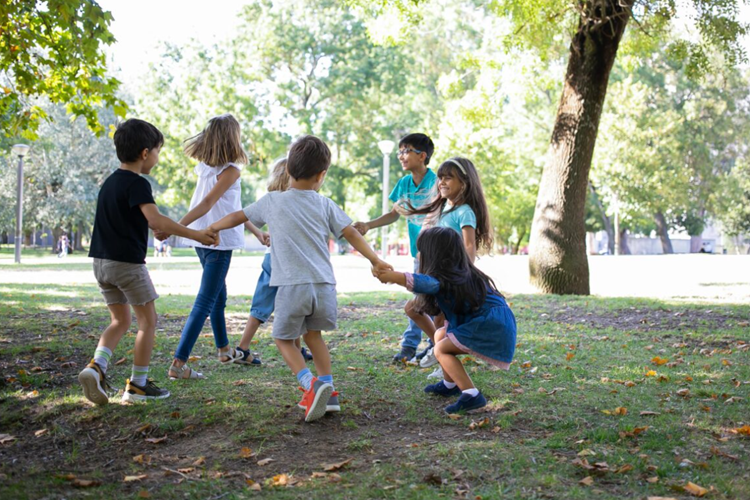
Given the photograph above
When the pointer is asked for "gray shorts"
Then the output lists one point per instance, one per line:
(124, 282)
(311, 306)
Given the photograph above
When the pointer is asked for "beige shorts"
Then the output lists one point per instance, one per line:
(300, 308)
(124, 282)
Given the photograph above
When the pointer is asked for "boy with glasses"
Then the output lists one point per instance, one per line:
(417, 188)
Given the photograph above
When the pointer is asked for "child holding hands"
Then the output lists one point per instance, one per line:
(300, 221)
(478, 320)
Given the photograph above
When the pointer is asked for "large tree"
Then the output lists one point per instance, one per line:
(558, 262)
(53, 49)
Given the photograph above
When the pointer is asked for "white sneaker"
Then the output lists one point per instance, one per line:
(429, 359)
(438, 373)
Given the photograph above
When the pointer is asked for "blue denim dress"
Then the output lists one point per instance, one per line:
(488, 333)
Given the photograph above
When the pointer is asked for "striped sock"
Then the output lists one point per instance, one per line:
(326, 378)
(102, 356)
(305, 377)
(139, 375)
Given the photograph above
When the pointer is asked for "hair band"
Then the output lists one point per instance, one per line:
(460, 167)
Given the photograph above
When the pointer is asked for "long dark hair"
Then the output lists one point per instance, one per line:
(472, 195)
(442, 255)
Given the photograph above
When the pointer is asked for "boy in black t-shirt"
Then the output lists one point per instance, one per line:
(125, 210)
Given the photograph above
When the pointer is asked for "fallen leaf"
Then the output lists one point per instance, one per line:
(141, 459)
(265, 461)
(186, 470)
(653, 480)
(175, 414)
(318, 474)
(334, 478)
(41, 432)
(253, 485)
(649, 413)
(144, 494)
(695, 490)
(570, 356)
(624, 468)
(85, 483)
(744, 430)
(476, 425)
(454, 416)
(683, 393)
(280, 480)
(651, 373)
(586, 481)
(337, 466)
(156, 440)
(239, 382)
(586, 452)
(120, 361)
(496, 430)
(130, 479)
(143, 428)
(200, 461)
(6, 438)
(246, 453)
(659, 361)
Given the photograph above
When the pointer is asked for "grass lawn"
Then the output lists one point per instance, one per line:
(607, 398)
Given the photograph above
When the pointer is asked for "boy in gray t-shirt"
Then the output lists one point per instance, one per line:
(300, 221)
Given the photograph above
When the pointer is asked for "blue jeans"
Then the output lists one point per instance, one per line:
(412, 335)
(211, 301)
(264, 297)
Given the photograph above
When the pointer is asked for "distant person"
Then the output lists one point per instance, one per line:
(300, 221)
(416, 189)
(63, 245)
(264, 296)
(125, 209)
(479, 321)
(218, 149)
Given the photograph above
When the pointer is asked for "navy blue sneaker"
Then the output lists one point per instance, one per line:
(441, 390)
(306, 354)
(466, 403)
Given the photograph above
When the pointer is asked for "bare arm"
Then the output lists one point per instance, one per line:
(262, 236)
(232, 220)
(470, 242)
(162, 223)
(358, 242)
(383, 220)
(392, 277)
(224, 181)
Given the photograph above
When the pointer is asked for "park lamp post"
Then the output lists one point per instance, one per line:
(386, 147)
(19, 150)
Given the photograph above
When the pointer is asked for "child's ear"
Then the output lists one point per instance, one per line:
(144, 154)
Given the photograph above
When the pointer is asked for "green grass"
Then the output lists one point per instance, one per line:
(578, 360)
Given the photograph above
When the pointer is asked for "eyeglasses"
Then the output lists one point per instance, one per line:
(406, 151)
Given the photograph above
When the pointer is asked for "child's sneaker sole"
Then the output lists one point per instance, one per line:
(128, 397)
(89, 380)
(320, 403)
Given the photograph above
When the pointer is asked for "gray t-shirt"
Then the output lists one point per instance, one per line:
(299, 222)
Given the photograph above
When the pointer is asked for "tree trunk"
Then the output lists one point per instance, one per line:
(624, 248)
(696, 244)
(605, 220)
(514, 248)
(558, 261)
(56, 233)
(4, 238)
(661, 230)
(78, 240)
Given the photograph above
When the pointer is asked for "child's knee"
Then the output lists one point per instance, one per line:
(440, 334)
(409, 309)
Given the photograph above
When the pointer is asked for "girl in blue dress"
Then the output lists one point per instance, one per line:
(478, 320)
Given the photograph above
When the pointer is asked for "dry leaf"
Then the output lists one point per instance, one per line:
(156, 440)
(659, 361)
(318, 474)
(200, 461)
(476, 425)
(246, 453)
(252, 484)
(744, 430)
(586, 481)
(144, 494)
(265, 461)
(683, 393)
(624, 468)
(120, 361)
(143, 428)
(496, 430)
(651, 373)
(280, 480)
(649, 413)
(695, 490)
(6, 438)
(187, 470)
(130, 479)
(141, 459)
(653, 480)
(41, 432)
(586, 452)
(85, 483)
(337, 466)
(570, 356)
(454, 416)
(334, 478)
(239, 382)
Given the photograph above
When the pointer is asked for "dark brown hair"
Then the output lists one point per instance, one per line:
(308, 157)
(472, 194)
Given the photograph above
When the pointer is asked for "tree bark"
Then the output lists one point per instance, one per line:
(558, 261)
(624, 248)
(661, 230)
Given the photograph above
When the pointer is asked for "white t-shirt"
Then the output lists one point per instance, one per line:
(231, 239)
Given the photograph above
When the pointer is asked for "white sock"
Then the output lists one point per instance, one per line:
(139, 375)
(449, 385)
(102, 356)
(473, 392)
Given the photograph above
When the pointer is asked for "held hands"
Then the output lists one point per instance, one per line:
(264, 238)
(388, 276)
(208, 236)
(361, 227)
(380, 266)
(161, 235)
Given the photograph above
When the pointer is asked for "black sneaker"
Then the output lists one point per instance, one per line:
(441, 390)
(248, 358)
(467, 403)
(134, 393)
(94, 383)
(306, 354)
(405, 355)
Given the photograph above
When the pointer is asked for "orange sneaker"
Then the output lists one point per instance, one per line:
(315, 399)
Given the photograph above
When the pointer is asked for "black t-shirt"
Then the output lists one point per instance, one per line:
(120, 228)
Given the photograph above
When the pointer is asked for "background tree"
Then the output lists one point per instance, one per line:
(52, 49)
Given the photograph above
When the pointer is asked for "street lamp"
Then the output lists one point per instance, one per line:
(19, 150)
(386, 147)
